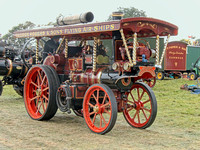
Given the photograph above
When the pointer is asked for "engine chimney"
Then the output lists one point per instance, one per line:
(82, 18)
(117, 15)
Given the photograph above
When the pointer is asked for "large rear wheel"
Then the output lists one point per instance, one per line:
(100, 108)
(140, 107)
(40, 92)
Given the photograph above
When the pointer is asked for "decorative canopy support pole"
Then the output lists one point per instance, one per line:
(157, 50)
(60, 45)
(66, 48)
(134, 48)
(126, 47)
(165, 47)
(37, 50)
(94, 55)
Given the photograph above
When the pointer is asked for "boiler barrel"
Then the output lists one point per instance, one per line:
(82, 18)
(14, 69)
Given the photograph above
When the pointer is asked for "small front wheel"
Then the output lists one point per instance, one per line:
(160, 75)
(100, 108)
(140, 108)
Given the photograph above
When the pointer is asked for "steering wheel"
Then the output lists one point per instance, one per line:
(28, 52)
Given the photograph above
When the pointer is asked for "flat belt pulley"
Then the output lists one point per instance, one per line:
(63, 98)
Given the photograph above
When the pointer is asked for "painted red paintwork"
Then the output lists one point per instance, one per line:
(175, 58)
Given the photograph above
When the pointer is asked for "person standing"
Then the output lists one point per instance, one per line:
(51, 46)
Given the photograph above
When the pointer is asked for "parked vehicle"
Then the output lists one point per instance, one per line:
(180, 59)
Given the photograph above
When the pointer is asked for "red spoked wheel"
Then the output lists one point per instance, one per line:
(40, 92)
(100, 108)
(141, 106)
(151, 82)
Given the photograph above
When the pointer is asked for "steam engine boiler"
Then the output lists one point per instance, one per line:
(12, 68)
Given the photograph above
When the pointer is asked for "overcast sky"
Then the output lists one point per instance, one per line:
(183, 13)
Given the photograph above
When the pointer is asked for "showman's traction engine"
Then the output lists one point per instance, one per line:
(98, 70)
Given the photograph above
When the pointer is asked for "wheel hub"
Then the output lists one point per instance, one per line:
(96, 109)
(139, 105)
(39, 92)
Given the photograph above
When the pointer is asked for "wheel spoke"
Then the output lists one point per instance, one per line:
(132, 97)
(130, 102)
(146, 101)
(95, 98)
(90, 105)
(38, 108)
(43, 105)
(135, 115)
(91, 113)
(104, 105)
(103, 119)
(146, 109)
(45, 89)
(105, 96)
(144, 114)
(107, 112)
(138, 92)
(130, 109)
(37, 102)
(33, 98)
(100, 120)
(46, 103)
(46, 99)
(94, 118)
(39, 74)
(34, 84)
(138, 115)
(141, 96)
(43, 80)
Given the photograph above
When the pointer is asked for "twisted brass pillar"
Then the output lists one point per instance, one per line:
(60, 45)
(66, 48)
(134, 48)
(94, 55)
(165, 47)
(157, 50)
(37, 50)
(126, 47)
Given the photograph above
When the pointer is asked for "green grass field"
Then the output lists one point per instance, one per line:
(177, 125)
